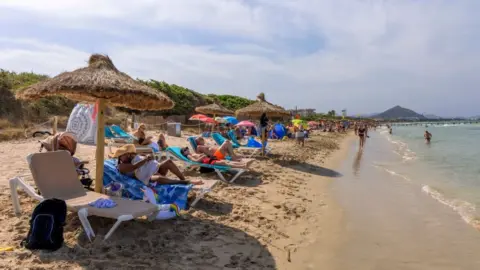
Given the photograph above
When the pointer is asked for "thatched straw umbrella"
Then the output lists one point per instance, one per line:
(103, 83)
(215, 109)
(262, 106)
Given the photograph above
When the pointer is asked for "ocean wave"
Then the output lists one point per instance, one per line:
(402, 150)
(466, 210)
(404, 177)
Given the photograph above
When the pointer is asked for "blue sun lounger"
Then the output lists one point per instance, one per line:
(115, 133)
(219, 139)
(176, 153)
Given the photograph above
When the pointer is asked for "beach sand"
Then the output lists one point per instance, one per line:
(277, 216)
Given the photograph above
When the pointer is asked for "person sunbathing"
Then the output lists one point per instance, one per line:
(141, 136)
(202, 158)
(220, 153)
(146, 168)
(162, 142)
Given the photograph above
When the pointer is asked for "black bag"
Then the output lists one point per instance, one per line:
(206, 170)
(46, 226)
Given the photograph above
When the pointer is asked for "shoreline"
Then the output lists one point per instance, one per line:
(330, 237)
(390, 223)
(271, 219)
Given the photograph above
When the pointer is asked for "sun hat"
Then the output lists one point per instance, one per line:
(124, 149)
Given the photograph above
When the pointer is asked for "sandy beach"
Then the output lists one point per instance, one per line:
(270, 219)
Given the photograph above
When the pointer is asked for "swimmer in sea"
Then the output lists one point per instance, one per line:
(427, 136)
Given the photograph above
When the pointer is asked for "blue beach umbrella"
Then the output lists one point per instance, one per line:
(230, 119)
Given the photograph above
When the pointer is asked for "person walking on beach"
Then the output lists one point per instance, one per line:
(427, 136)
(300, 135)
(362, 134)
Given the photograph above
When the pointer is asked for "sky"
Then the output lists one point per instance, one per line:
(364, 56)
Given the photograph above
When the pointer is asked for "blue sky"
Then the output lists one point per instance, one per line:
(365, 56)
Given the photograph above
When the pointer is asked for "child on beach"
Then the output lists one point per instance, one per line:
(300, 135)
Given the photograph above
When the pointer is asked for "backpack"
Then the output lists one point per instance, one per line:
(46, 226)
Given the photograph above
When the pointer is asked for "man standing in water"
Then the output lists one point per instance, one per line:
(362, 134)
(427, 136)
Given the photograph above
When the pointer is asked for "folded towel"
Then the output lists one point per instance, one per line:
(103, 203)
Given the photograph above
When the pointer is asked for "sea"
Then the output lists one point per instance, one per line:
(447, 168)
(408, 204)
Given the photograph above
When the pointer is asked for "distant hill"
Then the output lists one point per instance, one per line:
(432, 116)
(398, 112)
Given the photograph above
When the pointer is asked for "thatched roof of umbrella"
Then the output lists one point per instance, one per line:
(214, 108)
(100, 80)
(261, 106)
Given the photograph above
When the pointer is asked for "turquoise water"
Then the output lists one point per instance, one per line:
(448, 169)
(409, 205)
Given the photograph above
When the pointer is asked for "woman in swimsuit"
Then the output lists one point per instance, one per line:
(201, 158)
(427, 136)
(141, 135)
(362, 133)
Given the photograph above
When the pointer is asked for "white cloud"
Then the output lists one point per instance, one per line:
(373, 54)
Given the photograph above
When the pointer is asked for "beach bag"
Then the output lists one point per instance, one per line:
(81, 123)
(46, 226)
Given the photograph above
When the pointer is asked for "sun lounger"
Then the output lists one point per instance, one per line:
(219, 139)
(120, 132)
(132, 188)
(193, 143)
(233, 138)
(55, 177)
(175, 152)
(116, 137)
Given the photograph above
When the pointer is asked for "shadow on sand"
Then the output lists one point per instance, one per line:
(193, 241)
(213, 208)
(248, 179)
(187, 243)
(308, 168)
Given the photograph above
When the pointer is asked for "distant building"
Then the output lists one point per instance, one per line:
(303, 112)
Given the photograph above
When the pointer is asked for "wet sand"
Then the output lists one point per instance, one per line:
(389, 223)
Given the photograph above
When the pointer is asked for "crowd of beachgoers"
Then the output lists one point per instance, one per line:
(259, 220)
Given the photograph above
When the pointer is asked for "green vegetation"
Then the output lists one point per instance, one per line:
(232, 102)
(186, 99)
(16, 113)
(19, 112)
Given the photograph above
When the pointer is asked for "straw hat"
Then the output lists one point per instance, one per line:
(124, 149)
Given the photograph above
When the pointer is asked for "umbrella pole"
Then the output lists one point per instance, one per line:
(100, 153)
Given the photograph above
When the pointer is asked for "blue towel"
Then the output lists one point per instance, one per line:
(132, 188)
(103, 203)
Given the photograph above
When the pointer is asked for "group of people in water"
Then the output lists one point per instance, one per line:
(361, 130)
